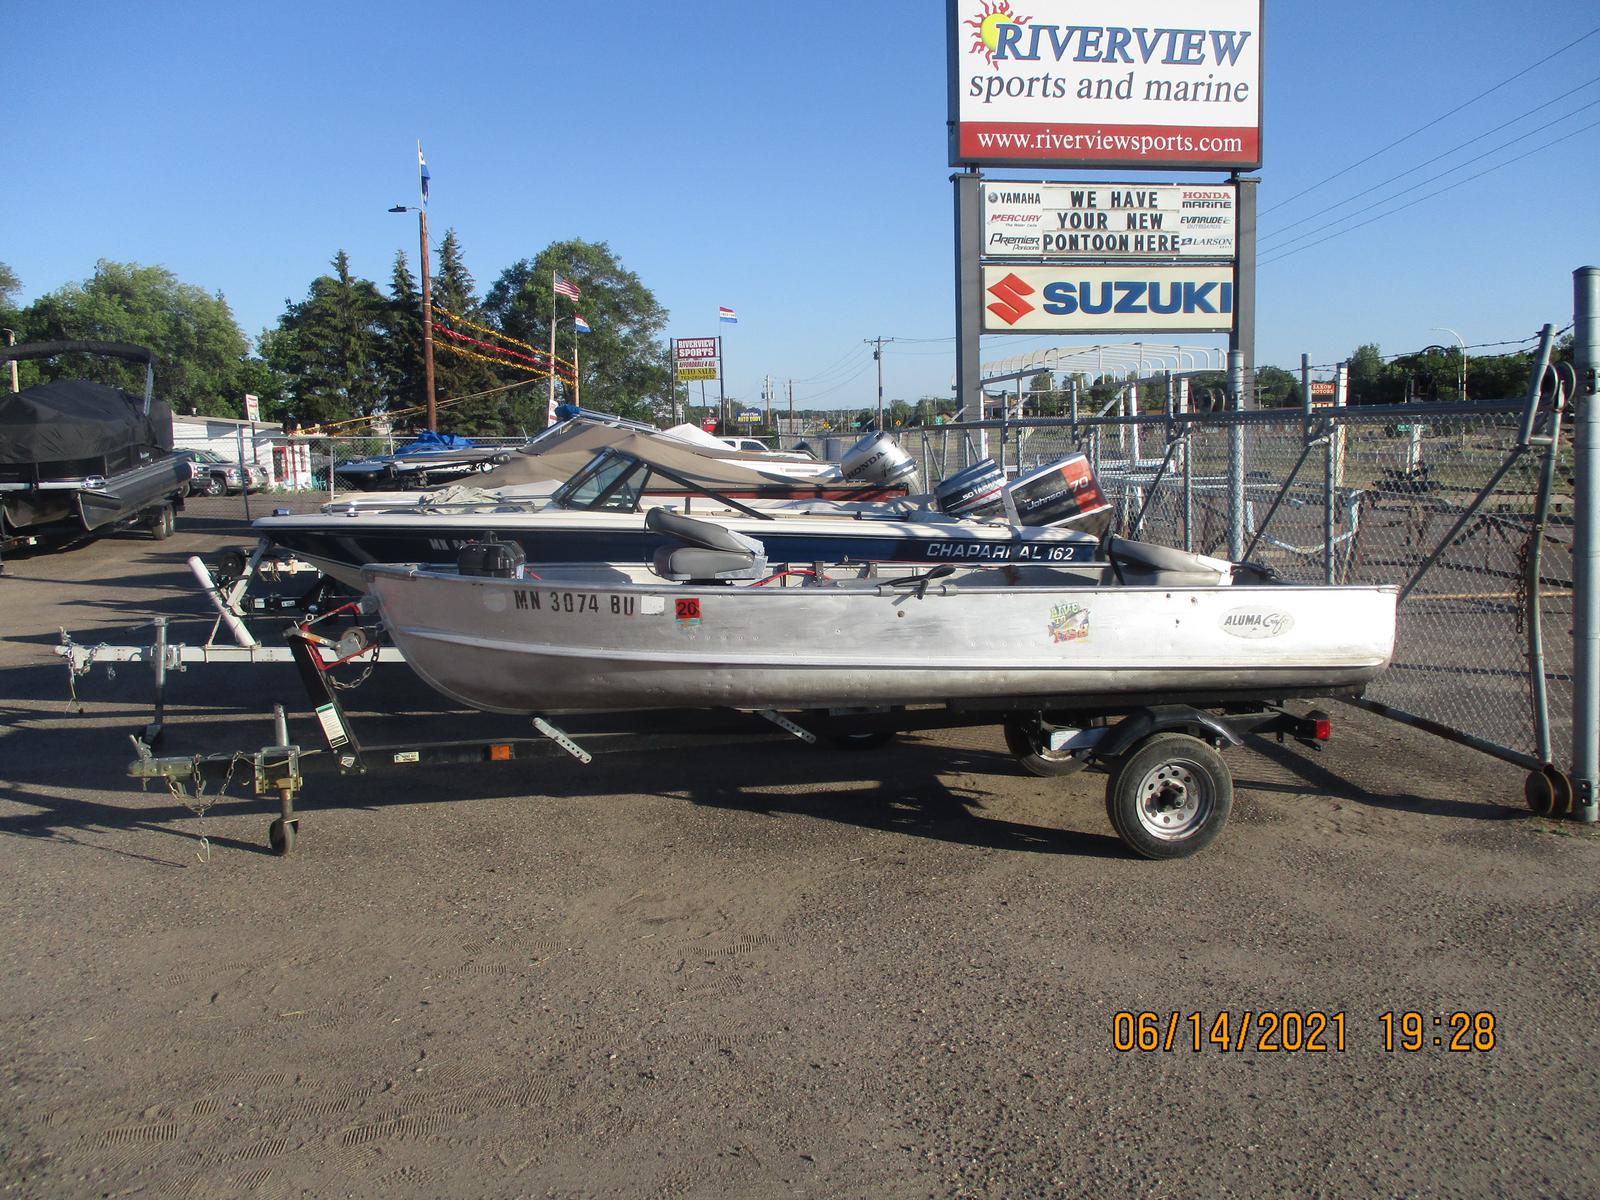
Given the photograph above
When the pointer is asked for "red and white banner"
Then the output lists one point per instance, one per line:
(1160, 83)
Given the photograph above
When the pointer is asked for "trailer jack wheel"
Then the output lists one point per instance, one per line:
(281, 835)
(1170, 796)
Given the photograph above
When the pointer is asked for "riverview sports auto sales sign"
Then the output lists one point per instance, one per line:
(1136, 83)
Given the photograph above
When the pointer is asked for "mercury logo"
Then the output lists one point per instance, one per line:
(1010, 306)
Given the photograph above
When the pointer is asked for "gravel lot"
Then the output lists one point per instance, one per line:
(741, 966)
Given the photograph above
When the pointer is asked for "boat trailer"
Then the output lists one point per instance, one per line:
(1168, 795)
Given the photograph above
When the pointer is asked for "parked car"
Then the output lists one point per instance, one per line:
(213, 475)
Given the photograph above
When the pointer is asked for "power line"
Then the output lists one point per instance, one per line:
(1429, 162)
(1435, 178)
(1435, 121)
(1413, 203)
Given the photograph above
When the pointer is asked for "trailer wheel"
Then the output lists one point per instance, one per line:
(1170, 797)
(858, 739)
(162, 523)
(1028, 739)
(280, 836)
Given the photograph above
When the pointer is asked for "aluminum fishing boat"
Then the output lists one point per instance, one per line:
(712, 622)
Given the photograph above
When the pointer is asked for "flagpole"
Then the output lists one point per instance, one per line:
(550, 414)
(427, 304)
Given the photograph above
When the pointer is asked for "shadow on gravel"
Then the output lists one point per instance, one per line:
(1328, 783)
(906, 788)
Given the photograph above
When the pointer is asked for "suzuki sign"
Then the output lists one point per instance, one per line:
(1132, 298)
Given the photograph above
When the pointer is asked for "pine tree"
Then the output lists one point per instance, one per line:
(330, 347)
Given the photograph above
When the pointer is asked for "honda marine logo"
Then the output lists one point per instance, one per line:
(1010, 306)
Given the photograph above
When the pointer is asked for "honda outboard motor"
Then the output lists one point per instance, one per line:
(878, 458)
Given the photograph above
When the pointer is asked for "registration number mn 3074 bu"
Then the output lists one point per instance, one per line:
(552, 600)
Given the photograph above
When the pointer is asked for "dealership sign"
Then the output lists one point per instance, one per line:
(1080, 83)
(695, 358)
(1108, 220)
(1131, 298)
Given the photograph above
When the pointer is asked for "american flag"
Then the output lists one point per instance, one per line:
(565, 287)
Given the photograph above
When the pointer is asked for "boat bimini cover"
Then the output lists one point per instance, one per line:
(703, 549)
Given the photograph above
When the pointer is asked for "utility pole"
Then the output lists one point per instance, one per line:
(791, 408)
(877, 357)
(427, 324)
(768, 394)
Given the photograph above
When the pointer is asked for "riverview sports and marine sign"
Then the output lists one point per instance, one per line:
(1130, 298)
(1168, 83)
(1108, 220)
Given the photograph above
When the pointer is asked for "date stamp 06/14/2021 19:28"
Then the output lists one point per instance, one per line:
(1295, 1031)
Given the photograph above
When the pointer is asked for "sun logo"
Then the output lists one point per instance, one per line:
(986, 28)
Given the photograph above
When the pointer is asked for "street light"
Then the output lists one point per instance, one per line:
(1463, 341)
(427, 317)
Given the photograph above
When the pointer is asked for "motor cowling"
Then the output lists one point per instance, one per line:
(492, 559)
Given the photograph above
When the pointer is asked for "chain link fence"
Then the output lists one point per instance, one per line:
(1355, 496)
(1348, 496)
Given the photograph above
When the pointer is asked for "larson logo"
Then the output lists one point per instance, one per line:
(1011, 306)
(1257, 623)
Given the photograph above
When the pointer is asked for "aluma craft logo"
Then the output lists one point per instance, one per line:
(986, 28)
(1257, 623)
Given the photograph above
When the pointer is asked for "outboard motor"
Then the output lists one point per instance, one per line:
(878, 458)
(492, 559)
(975, 492)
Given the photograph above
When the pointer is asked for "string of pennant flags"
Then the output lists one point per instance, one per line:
(534, 362)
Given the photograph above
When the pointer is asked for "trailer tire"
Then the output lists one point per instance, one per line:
(281, 835)
(1027, 737)
(162, 523)
(1170, 796)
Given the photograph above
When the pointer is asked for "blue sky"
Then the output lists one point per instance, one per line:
(786, 160)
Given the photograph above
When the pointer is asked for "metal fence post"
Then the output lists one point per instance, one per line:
(1586, 553)
(244, 471)
(1236, 458)
(1332, 468)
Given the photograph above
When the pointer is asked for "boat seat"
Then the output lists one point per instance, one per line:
(702, 550)
(1144, 564)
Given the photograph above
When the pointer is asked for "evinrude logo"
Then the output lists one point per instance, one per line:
(1257, 623)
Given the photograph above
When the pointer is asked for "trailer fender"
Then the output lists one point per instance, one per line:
(1167, 718)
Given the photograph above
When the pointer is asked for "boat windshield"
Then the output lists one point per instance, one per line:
(610, 483)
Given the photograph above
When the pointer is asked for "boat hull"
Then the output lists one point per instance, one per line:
(573, 643)
(343, 545)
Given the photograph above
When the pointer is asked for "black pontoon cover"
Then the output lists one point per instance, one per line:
(72, 420)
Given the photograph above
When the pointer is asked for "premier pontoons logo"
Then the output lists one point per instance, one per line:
(986, 28)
